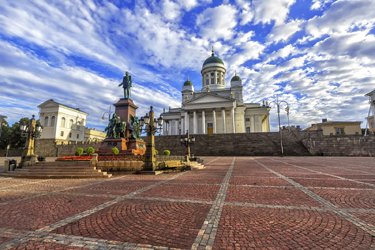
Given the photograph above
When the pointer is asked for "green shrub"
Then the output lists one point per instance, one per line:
(90, 150)
(79, 151)
(115, 151)
(156, 152)
(167, 152)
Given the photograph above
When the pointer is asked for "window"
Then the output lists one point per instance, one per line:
(63, 122)
(247, 119)
(71, 123)
(77, 136)
(247, 129)
(340, 131)
(62, 133)
(70, 135)
(46, 121)
(207, 81)
(53, 118)
(212, 81)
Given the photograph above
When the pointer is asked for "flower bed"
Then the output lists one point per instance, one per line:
(75, 158)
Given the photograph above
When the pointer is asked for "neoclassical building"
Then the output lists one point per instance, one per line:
(215, 109)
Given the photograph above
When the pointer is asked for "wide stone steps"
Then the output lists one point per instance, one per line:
(68, 169)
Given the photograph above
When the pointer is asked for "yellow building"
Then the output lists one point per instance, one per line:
(92, 135)
(371, 113)
(337, 127)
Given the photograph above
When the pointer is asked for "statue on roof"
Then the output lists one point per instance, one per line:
(126, 84)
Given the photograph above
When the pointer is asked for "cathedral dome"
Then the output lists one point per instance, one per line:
(213, 59)
(235, 78)
(188, 86)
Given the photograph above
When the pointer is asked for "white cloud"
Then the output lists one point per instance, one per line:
(217, 23)
(318, 4)
(246, 11)
(343, 16)
(271, 10)
(283, 32)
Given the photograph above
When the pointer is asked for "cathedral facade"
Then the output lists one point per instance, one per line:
(215, 109)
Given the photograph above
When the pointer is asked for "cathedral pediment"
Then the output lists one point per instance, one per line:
(209, 98)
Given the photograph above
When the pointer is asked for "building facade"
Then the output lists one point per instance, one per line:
(371, 114)
(337, 127)
(215, 109)
(93, 135)
(62, 123)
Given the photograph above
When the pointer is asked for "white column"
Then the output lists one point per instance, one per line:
(214, 119)
(195, 123)
(186, 122)
(182, 125)
(233, 122)
(215, 77)
(252, 124)
(224, 123)
(176, 122)
(203, 122)
(169, 128)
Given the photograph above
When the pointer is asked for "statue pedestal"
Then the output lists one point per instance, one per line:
(125, 146)
(125, 108)
(107, 145)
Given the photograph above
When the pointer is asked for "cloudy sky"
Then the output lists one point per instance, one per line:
(318, 55)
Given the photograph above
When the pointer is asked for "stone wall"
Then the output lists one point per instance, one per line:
(348, 145)
(46, 147)
(235, 144)
(295, 143)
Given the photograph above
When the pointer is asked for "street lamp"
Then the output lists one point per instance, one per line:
(187, 140)
(278, 103)
(107, 112)
(151, 126)
(30, 131)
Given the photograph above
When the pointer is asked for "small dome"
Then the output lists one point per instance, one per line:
(188, 86)
(188, 83)
(235, 78)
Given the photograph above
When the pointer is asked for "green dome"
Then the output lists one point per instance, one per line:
(235, 78)
(188, 83)
(213, 59)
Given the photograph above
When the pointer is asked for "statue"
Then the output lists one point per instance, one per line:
(135, 128)
(126, 84)
(115, 127)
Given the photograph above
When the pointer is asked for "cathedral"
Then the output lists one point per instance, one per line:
(215, 109)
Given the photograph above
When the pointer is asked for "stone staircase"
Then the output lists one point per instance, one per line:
(58, 169)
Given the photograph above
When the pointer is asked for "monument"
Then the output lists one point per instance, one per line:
(123, 130)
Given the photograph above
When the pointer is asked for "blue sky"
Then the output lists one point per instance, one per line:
(318, 55)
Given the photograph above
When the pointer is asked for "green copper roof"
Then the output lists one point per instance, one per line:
(213, 59)
(235, 78)
(188, 83)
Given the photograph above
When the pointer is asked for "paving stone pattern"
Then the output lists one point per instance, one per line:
(235, 203)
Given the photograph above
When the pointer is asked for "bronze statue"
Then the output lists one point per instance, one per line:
(115, 128)
(134, 127)
(126, 84)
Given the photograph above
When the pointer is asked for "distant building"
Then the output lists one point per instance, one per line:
(371, 113)
(93, 135)
(337, 127)
(215, 109)
(61, 122)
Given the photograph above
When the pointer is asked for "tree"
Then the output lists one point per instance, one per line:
(13, 135)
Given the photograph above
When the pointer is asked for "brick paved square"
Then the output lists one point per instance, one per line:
(117, 187)
(10, 195)
(328, 182)
(259, 181)
(183, 191)
(267, 228)
(348, 198)
(368, 218)
(171, 224)
(36, 244)
(270, 196)
(40, 211)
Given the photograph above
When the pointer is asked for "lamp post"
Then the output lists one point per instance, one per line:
(30, 131)
(107, 112)
(151, 126)
(187, 140)
(278, 104)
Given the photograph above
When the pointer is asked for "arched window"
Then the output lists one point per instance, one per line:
(63, 122)
(53, 118)
(46, 121)
(71, 123)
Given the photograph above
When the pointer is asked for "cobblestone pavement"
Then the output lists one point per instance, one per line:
(235, 203)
